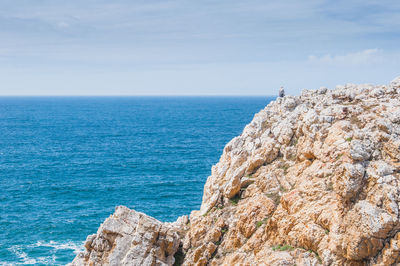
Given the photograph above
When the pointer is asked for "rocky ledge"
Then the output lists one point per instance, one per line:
(313, 179)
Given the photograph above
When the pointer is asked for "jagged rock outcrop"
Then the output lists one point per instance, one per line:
(132, 238)
(313, 179)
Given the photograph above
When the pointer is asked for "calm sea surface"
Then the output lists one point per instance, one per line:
(65, 163)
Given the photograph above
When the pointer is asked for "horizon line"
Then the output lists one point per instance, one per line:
(137, 95)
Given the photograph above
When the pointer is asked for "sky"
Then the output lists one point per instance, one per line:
(182, 47)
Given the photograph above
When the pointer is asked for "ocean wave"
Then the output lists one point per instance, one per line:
(23, 258)
(75, 246)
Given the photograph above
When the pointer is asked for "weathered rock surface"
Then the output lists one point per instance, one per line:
(132, 238)
(313, 179)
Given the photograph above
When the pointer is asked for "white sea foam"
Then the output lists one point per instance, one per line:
(20, 251)
(21, 255)
(75, 246)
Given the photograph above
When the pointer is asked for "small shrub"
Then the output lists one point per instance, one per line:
(286, 247)
(282, 248)
(349, 139)
(235, 199)
(285, 169)
(274, 248)
(263, 221)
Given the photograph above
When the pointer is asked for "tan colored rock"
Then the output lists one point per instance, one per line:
(390, 254)
(131, 238)
(312, 180)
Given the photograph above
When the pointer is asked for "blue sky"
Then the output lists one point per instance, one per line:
(121, 47)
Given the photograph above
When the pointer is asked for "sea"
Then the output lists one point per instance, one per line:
(67, 162)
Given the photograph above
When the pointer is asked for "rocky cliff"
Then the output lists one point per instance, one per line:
(313, 179)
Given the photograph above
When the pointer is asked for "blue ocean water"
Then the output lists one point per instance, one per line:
(65, 163)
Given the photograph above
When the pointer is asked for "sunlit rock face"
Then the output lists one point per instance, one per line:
(132, 238)
(313, 179)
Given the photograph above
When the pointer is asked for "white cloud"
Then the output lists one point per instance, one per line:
(368, 56)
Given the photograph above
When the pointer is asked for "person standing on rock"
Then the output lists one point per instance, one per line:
(281, 92)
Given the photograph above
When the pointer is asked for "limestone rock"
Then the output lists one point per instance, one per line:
(131, 238)
(312, 180)
(395, 82)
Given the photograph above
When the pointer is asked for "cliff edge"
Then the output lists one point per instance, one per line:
(312, 180)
